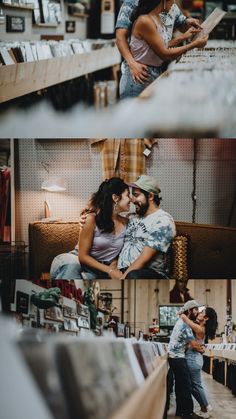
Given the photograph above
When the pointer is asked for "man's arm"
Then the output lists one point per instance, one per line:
(146, 255)
(138, 70)
(196, 346)
(183, 23)
(123, 29)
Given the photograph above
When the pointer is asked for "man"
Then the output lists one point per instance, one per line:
(149, 234)
(172, 20)
(182, 335)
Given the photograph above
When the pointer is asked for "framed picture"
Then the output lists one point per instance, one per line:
(54, 313)
(15, 24)
(70, 26)
(22, 302)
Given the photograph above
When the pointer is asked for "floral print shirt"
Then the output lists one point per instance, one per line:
(157, 231)
(180, 336)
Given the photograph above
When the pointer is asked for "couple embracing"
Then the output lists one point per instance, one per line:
(115, 246)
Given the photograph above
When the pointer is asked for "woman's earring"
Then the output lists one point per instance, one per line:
(115, 207)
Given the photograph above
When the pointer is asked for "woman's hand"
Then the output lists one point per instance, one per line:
(191, 21)
(82, 220)
(183, 316)
(115, 273)
(200, 42)
(189, 33)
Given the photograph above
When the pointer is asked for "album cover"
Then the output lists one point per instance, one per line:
(77, 47)
(39, 357)
(145, 359)
(28, 52)
(96, 376)
(6, 57)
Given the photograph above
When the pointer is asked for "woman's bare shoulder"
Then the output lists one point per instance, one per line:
(144, 21)
(124, 220)
(90, 219)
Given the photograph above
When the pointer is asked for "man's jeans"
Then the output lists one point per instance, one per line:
(183, 386)
(145, 273)
(195, 362)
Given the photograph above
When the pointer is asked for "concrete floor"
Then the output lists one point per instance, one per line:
(219, 396)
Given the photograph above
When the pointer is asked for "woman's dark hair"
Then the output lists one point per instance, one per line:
(102, 202)
(144, 7)
(211, 324)
(157, 199)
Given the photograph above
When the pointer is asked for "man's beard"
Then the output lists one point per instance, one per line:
(192, 316)
(141, 209)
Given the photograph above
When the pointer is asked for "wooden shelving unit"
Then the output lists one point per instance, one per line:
(15, 6)
(23, 78)
(149, 400)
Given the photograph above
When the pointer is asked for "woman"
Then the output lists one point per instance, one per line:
(101, 238)
(150, 44)
(204, 328)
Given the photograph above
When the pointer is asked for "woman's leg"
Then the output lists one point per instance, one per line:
(198, 391)
(65, 266)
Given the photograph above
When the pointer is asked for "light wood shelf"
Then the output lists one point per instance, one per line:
(77, 14)
(150, 399)
(45, 25)
(15, 6)
(23, 78)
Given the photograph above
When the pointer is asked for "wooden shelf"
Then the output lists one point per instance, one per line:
(23, 78)
(77, 14)
(15, 6)
(149, 400)
(46, 25)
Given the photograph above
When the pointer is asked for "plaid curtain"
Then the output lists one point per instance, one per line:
(123, 157)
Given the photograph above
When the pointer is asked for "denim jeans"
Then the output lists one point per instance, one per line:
(195, 362)
(67, 266)
(184, 401)
(131, 88)
(145, 273)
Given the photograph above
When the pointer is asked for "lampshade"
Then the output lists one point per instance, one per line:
(54, 185)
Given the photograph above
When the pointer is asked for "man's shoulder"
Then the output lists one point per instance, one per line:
(130, 3)
(161, 216)
(176, 10)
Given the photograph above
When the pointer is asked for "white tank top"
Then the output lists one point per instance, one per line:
(142, 52)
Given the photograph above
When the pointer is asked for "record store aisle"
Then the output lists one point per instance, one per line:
(220, 398)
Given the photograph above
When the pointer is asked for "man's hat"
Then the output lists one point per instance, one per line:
(190, 304)
(147, 183)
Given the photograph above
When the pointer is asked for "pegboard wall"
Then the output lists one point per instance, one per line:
(171, 162)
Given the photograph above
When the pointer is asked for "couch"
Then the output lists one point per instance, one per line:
(199, 250)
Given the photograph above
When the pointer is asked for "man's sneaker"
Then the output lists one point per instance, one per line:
(203, 414)
(209, 408)
(192, 416)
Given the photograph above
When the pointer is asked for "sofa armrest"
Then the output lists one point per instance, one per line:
(47, 240)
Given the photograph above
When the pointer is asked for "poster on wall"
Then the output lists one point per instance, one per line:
(70, 26)
(107, 17)
(15, 23)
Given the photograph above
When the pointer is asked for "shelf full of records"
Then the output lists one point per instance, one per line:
(31, 66)
(222, 350)
(69, 317)
(44, 11)
(196, 95)
(93, 377)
